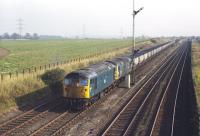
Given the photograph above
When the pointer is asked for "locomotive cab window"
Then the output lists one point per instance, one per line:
(70, 81)
(83, 82)
(75, 80)
(67, 81)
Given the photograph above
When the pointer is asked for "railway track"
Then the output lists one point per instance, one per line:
(148, 116)
(55, 124)
(141, 109)
(162, 124)
(14, 124)
(58, 125)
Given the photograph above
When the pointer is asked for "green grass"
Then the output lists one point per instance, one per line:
(26, 54)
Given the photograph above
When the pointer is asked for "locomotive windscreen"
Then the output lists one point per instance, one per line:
(75, 80)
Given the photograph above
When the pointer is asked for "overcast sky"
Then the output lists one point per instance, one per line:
(101, 17)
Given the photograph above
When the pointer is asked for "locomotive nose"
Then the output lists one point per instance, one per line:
(75, 92)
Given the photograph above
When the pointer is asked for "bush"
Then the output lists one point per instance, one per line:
(54, 79)
(153, 40)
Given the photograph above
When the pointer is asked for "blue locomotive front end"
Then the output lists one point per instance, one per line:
(76, 89)
(83, 86)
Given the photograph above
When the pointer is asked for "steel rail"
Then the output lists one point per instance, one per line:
(142, 106)
(40, 115)
(167, 70)
(161, 103)
(177, 93)
(21, 115)
(18, 120)
(43, 128)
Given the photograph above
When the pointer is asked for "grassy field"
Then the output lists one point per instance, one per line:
(26, 54)
(196, 68)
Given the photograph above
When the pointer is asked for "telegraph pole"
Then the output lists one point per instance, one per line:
(133, 40)
(20, 27)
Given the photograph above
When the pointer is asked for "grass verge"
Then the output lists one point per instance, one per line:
(196, 68)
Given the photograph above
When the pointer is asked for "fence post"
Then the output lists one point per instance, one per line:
(17, 74)
(1, 77)
(10, 74)
(40, 67)
(35, 69)
(23, 72)
(45, 67)
(49, 66)
(29, 70)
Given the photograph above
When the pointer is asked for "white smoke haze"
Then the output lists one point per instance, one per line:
(104, 18)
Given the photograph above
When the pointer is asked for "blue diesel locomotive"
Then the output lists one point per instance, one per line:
(84, 86)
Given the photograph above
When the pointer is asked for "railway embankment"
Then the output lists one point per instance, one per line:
(196, 68)
(196, 74)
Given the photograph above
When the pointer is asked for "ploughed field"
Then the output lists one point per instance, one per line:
(29, 53)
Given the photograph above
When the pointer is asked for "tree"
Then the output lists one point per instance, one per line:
(35, 36)
(15, 36)
(6, 36)
(28, 36)
(54, 79)
(153, 40)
